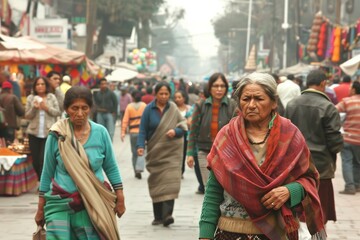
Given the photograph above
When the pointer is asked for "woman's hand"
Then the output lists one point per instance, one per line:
(120, 203)
(171, 133)
(39, 217)
(122, 137)
(43, 106)
(276, 198)
(36, 104)
(190, 161)
(140, 151)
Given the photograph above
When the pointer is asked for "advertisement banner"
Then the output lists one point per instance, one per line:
(51, 31)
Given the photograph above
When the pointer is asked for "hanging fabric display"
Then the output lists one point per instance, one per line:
(321, 46)
(315, 30)
(331, 41)
(337, 44)
(344, 39)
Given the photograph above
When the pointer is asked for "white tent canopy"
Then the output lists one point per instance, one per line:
(121, 75)
(297, 69)
(351, 66)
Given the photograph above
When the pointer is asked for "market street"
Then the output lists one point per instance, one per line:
(17, 213)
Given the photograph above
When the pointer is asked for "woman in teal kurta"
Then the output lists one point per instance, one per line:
(64, 201)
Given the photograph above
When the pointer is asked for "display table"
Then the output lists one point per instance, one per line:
(17, 174)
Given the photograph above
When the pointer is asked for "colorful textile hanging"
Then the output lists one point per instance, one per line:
(337, 44)
(315, 30)
(321, 46)
(330, 42)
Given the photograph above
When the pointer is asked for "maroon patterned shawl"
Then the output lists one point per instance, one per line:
(287, 160)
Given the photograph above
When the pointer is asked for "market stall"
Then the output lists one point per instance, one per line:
(17, 174)
(298, 69)
(330, 41)
(27, 50)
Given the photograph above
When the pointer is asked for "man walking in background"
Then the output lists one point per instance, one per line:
(66, 84)
(288, 90)
(106, 107)
(12, 109)
(350, 155)
(125, 99)
(54, 81)
(343, 89)
(319, 121)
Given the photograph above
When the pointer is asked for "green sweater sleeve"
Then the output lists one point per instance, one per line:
(210, 213)
(297, 193)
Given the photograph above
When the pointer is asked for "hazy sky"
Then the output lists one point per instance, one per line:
(197, 20)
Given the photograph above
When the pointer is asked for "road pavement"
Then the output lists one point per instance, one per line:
(17, 213)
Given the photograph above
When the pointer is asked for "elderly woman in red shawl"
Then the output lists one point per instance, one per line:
(262, 179)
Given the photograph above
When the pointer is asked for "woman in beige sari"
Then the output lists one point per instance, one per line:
(162, 127)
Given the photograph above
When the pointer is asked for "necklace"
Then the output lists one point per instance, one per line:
(263, 141)
(83, 134)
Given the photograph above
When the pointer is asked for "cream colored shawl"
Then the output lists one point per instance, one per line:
(98, 200)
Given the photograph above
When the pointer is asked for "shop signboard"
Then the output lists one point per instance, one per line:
(51, 31)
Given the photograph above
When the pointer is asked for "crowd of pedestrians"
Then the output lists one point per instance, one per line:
(264, 155)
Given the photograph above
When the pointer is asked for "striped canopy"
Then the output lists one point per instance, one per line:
(27, 50)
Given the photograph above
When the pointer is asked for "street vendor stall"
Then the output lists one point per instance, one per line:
(27, 50)
(17, 174)
(298, 69)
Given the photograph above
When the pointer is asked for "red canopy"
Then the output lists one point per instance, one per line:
(26, 50)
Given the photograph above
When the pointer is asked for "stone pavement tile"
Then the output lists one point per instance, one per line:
(347, 207)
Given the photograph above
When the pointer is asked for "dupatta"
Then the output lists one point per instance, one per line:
(98, 200)
(287, 160)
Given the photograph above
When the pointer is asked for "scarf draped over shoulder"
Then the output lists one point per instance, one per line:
(164, 156)
(98, 200)
(287, 160)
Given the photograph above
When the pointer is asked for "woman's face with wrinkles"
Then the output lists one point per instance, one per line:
(255, 104)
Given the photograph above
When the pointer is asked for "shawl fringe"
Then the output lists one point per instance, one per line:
(321, 235)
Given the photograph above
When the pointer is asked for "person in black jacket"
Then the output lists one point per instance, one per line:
(319, 121)
(106, 107)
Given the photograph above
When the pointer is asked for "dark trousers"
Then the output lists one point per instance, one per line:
(184, 154)
(9, 134)
(201, 187)
(163, 209)
(37, 149)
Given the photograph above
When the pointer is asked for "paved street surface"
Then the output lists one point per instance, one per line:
(17, 213)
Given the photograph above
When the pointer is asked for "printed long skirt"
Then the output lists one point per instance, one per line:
(224, 235)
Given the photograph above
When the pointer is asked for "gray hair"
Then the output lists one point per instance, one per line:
(265, 80)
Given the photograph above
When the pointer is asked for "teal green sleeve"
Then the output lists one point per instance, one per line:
(50, 163)
(210, 213)
(297, 193)
(110, 165)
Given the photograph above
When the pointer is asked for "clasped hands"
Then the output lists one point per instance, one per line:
(276, 198)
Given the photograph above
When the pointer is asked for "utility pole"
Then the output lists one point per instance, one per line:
(124, 49)
(285, 26)
(248, 30)
(91, 6)
(272, 52)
